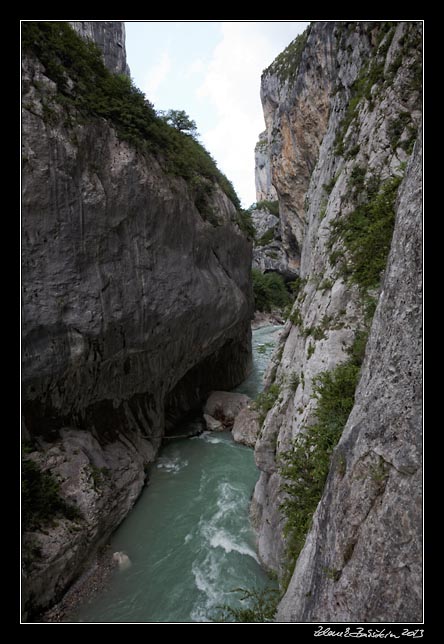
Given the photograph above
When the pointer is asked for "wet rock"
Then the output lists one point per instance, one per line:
(246, 427)
(224, 406)
(212, 424)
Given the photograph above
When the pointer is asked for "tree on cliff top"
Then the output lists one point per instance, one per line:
(181, 121)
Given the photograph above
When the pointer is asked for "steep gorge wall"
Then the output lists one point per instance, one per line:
(367, 530)
(135, 306)
(342, 112)
(110, 37)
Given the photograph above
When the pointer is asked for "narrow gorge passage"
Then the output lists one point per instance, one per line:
(189, 538)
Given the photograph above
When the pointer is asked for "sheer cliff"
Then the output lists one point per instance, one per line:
(136, 294)
(342, 106)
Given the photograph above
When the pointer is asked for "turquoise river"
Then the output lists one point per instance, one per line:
(188, 538)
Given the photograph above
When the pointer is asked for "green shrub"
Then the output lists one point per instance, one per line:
(245, 223)
(326, 284)
(260, 606)
(366, 234)
(269, 291)
(96, 92)
(310, 350)
(305, 465)
(328, 187)
(294, 381)
(271, 206)
(41, 500)
(286, 65)
(265, 400)
(266, 238)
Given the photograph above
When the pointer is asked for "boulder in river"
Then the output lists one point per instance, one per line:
(246, 427)
(212, 424)
(224, 406)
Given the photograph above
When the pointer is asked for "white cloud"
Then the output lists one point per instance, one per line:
(196, 67)
(156, 75)
(232, 84)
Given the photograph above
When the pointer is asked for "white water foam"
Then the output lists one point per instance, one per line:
(171, 464)
(224, 540)
(207, 579)
(210, 437)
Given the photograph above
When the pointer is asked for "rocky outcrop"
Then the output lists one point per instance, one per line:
(268, 252)
(295, 96)
(368, 525)
(135, 307)
(265, 190)
(224, 406)
(246, 427)
(342, 110)
(110, 38)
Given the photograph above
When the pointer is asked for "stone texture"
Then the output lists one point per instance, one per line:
(110, 37)
(212, 424)
(265, 190)
(225, 406)
(271, 256)
(134, 309)
(368, 525)
(296, 115)
(246, 427)
(325, 303)
(102, 481)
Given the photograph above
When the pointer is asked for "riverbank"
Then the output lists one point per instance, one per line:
(93, 581)
(266, 319)
(202, 486)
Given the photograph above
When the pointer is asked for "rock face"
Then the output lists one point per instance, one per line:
(110, 37)
(224, 406)
(265, 190)
(268, 252)
(246, 427)
(296, 112)
(342, 110)
(368, 524)
(134, 308)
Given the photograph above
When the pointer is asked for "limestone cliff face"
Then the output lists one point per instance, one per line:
(344, 119)
(265, 190)
(134, 308)
(368, 525)
(110, 37)
(295, 95)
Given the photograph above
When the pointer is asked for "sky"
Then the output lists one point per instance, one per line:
(212, 70)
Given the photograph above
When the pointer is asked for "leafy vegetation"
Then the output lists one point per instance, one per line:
(366, 234)
(328, 187)
(305, 465)
(286, 65)
(41, 500)
(310, 350)
(294, 381)
(266, 238)
(86, 88)
(260, 606)
(265, 400)
(245, 223)
(269, 290)
(180, 120)
(271, 206)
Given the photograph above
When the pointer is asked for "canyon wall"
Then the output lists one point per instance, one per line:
(343, 108)
(136, 298)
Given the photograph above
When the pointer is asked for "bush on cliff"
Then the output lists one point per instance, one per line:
(41, 500)
(84, 83)
(270, 291)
